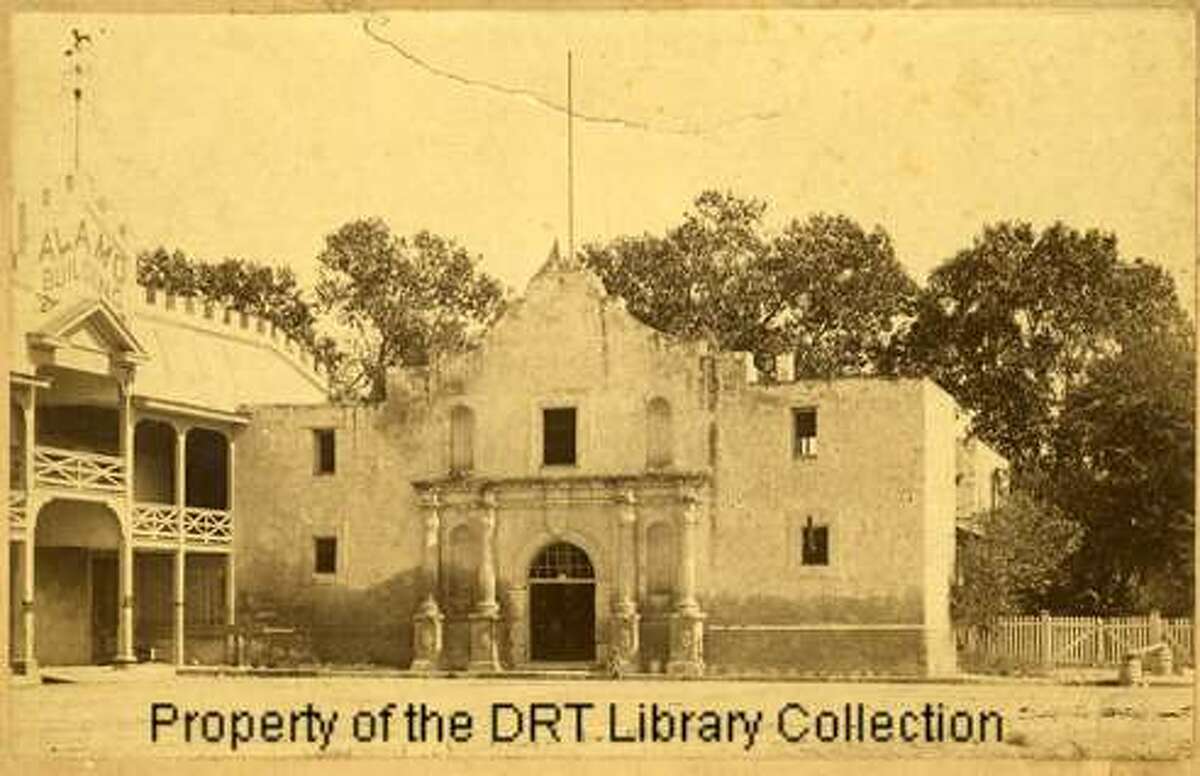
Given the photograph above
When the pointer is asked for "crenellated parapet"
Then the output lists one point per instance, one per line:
(225, 321)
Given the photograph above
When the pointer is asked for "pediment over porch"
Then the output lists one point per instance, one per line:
(89, 336)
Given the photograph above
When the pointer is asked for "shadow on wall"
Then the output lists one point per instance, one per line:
(333, 625)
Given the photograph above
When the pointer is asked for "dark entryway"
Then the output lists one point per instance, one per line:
(104, 607)
(562, 605)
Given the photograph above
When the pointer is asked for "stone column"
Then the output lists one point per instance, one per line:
(181, 431)
(624, 643)
(427, 622)
(518, 625)
(687, 622)
(125, 654)
(484, 621)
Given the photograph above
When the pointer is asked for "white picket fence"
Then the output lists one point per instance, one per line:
(1077, 641)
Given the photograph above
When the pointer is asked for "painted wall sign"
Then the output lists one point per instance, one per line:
(83, 261)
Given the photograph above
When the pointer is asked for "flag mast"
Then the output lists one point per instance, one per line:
(570, 169)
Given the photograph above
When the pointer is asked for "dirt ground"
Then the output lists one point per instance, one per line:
(1017, 719)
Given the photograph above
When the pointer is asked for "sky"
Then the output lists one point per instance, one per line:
(256, 136)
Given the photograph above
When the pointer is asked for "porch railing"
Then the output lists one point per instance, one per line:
(167, 522)
(208, 526)
(54, 467)
(157, 522)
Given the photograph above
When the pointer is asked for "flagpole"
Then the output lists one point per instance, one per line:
(570, 169)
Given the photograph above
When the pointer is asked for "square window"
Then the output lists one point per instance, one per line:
(325, 555)
(804, 432)
(558, 436)
(324, 451)
(814, 547)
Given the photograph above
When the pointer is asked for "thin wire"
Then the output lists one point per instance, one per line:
(549, 104)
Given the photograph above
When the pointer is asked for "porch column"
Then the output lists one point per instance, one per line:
(181, 432)
(125, 653)
(29, 412)
(179, 587)
(231, 640)
(624, 647)
(28, 402)
(230, 607)
(28, 642)
(485, 619)
(687, 622)
(427, 622)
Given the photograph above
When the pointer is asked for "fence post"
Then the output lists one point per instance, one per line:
(1101, 656)
(1156, 628)
(1044, 629)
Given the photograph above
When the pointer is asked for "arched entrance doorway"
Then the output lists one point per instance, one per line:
(76, 587)
(562, 605)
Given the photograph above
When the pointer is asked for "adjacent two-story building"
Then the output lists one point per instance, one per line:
(125, 409)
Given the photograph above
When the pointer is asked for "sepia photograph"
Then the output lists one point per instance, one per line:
(693, 386)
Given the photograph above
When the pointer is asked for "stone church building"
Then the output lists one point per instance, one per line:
(580, 491)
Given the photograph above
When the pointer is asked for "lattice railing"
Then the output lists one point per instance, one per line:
(156, 521)
(17, 514)
(55, 467)
(207, 526)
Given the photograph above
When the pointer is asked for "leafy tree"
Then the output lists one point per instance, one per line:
(400, 300)
(1124, 462)
(823, 288)
(1010, 325)
(1013, 560)
(269, 292)
(1077, 366)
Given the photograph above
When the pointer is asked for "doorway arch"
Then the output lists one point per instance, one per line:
(562, 605)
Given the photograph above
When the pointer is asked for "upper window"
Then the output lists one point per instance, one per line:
(804, 432)
(325, 555)
(558, 436)
(814, 544)
(324, 451)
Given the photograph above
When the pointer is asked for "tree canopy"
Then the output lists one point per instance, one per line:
(271, 292)
(824, 288)
(401, 300)
(1012, 323)
(1077, 365)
